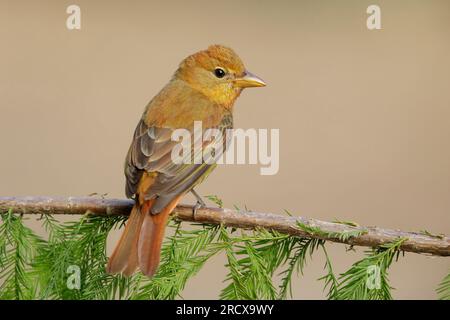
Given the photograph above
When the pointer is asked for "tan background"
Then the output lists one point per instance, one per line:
(364, 116)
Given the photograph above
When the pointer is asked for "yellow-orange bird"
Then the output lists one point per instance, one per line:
(204, 88)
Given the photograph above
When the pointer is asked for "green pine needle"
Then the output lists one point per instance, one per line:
(36, 268)
(443, 290)
(330, 279)
(183, 255)
(18, 247)
(367, 279)
(215, 199)
(343, 236)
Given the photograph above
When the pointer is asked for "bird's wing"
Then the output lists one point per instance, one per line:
(150, 152)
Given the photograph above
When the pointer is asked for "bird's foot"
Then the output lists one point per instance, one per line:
(200, 203)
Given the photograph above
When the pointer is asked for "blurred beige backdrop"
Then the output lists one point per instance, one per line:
(364, 116)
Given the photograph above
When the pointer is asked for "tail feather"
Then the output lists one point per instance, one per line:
(125, 258)
(140, 243)
(151, 237)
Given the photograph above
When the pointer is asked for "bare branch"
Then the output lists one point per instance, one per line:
(369, 237)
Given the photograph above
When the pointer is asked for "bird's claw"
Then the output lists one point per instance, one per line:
(198, 205)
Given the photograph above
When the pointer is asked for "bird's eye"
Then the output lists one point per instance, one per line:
(219, 72)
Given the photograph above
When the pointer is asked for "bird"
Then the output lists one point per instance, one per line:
(203, 88)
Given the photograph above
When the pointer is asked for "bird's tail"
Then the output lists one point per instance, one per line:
(140, 243)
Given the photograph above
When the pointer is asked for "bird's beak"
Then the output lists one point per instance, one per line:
(249, 80)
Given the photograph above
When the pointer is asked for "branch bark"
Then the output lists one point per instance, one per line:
(370, 237)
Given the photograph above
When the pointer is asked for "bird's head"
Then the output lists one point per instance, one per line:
(218, 73)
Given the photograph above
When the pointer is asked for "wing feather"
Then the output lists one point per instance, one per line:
(151, 151)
